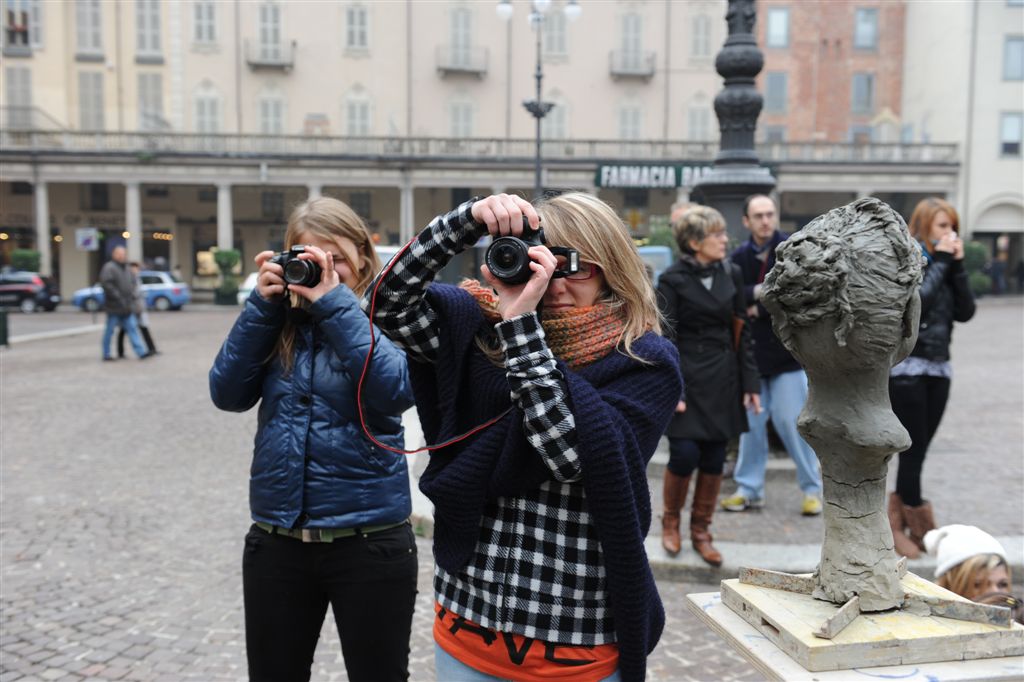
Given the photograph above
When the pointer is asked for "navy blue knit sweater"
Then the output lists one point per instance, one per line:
(621, 408)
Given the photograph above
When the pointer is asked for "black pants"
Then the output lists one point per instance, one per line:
(370, 583)
(146, 336)
(685, 455)
(919, 402)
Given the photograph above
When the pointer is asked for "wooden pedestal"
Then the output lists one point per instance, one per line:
(894, 638)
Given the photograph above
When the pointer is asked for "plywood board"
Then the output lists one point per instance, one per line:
(789, 620)
(772, 663)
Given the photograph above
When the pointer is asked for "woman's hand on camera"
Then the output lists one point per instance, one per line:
(503, 214)
(517, 299)
(270, 280)
(329, 277)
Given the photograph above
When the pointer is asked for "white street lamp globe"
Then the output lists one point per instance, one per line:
(573, 10)
(504, 10)
(541, 6)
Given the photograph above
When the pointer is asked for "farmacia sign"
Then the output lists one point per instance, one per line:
(649, 177)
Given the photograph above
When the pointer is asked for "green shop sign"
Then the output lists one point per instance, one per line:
(649, 177)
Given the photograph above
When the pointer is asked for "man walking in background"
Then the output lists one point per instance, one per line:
(783, 382)
(118, 292)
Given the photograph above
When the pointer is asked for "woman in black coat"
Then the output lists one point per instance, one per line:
(919, 386)
(701, 296)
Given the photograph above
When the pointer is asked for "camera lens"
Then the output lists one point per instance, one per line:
(507, 259)
(299, 272)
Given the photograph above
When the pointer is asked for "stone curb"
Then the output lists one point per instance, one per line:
(55, 333)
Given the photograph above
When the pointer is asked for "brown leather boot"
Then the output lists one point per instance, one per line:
(674, 497)
(705, 499)
(919, 521)
(901, 541)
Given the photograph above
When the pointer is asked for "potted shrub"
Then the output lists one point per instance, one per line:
(227, 260)
(26, 259)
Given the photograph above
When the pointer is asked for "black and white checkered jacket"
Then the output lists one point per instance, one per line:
(537, 568)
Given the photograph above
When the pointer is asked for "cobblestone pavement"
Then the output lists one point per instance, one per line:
(122, 512)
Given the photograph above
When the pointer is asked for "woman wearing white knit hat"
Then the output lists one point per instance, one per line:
(972, 563)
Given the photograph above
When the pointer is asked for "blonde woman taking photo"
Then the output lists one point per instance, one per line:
(539, 518)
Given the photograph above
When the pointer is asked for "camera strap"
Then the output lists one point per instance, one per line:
(366, 368)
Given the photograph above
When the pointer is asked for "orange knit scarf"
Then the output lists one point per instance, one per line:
(577, 336)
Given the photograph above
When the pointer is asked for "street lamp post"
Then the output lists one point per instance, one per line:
(537, 107)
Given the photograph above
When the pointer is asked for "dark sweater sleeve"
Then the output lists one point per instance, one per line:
(963, 299)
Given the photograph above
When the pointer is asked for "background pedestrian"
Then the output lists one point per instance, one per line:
(919, 386)
(140, 312)
(330, 509)
(118, 297)
(783, 381)
(701, 295)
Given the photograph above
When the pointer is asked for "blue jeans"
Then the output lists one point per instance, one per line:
(130, 325)
(782, 398)
(450, 669)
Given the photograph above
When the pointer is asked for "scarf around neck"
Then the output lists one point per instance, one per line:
(577, 336)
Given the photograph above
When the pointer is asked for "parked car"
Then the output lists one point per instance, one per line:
(28, 291)
(163, 291)
(656, 258)
(246, 287)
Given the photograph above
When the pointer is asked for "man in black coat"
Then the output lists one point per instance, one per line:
(783, 382)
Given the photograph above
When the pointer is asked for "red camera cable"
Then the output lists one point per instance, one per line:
(366, 367)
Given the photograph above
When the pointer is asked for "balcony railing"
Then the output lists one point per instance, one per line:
(458, 59)
(493, 150)
(631, 64)
(260, 55)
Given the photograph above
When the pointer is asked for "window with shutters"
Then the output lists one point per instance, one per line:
(204, 21)
(90, 100)
(147, 27)
(462, 37)
(151, 102)
(700, 36)
(18, 97)
(89, 27)
(270, 31)
(356, 28)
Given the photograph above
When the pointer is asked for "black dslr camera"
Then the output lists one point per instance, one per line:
(305, 273)
(508, 260)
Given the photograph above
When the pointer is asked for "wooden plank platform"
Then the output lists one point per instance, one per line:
(789, 620)
(774, 664)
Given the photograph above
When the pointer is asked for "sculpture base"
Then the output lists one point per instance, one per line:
(892, 638)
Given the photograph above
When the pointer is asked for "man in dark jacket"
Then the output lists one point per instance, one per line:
(116, 280)
(783, 382)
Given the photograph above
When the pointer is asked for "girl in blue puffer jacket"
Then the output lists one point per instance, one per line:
(330, 508)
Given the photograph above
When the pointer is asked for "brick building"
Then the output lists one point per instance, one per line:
(833, 70)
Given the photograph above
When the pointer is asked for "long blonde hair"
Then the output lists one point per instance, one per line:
(330, 219)
(589, 225)
(961, 578)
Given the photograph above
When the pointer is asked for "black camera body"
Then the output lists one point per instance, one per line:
(508, 258)
(299, 271)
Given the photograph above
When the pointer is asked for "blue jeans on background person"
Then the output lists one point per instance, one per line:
(450, 669)
(782, 398)
(131, 327)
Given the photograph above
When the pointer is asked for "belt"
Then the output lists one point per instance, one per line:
(325, 534)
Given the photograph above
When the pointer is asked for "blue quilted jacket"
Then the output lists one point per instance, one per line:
(312, 465)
